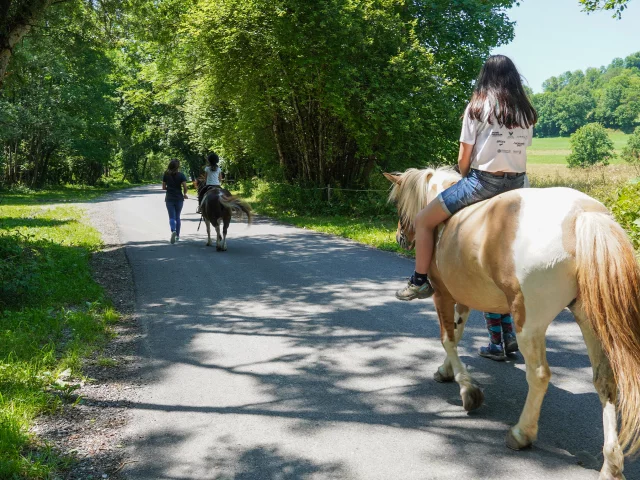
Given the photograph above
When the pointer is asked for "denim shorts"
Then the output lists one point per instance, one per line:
(476, 187)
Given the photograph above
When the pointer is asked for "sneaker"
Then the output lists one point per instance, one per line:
(177, 238)
(412, 291)
(510, 343)
(173, 238)
(494, 352)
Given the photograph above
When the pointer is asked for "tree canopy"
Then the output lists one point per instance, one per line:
(607, 95)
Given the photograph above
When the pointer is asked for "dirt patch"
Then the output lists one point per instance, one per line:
(90, 432)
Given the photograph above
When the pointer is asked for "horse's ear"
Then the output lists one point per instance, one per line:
(397, 179)
(430, 176)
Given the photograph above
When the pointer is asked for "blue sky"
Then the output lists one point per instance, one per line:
(553, 36)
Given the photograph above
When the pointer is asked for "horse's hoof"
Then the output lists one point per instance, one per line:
(440, 378)
(514, 444)
(472, 398)
(218, 249)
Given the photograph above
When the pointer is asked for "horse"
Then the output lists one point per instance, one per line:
(531, 253)
(218, 204)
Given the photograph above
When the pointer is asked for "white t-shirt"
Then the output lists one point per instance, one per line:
(496, 148)
(213, 176)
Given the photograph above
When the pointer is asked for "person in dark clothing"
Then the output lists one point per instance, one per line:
(175, 183)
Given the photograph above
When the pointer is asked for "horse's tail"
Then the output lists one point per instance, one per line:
(609, 290)
(237, 205)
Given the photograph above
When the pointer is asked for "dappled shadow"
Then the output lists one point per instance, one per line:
(293, 335)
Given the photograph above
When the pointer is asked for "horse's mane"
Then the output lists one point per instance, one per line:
(411, 194)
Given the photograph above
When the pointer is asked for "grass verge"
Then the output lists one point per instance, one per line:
(52, 315)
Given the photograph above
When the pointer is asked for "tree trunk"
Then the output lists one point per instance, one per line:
(13, 29)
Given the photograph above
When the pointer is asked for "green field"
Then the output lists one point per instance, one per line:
(555, 150)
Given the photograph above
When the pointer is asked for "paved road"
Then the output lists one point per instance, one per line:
(287, 357)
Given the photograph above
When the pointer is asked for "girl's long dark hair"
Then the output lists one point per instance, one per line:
(499, 87)
(174, 165)
(213, 160)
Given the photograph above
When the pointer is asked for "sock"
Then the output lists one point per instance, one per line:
(419, 278)
(507, 324)
(494, 325)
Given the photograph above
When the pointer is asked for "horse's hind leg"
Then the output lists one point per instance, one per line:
(445, 371)
(218, 237)
(606, 387)
(226, 221)
(532, 343)
(208, 224)
(472, 396)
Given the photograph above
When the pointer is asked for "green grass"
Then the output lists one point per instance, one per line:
(376, 232)
(21, 195)
(555, 150)
(52, 315)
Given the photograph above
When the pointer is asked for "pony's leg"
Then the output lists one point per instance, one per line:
(607, 389)
(472, 396)
(218, 237)
(224, 233)
(445, 371)
(532, 343)
(208, 224)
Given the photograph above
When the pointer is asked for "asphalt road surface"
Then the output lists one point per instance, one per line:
(288, 357)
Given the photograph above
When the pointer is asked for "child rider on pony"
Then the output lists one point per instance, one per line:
(497, 127)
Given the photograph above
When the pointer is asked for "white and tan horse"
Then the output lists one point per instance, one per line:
(531, 253)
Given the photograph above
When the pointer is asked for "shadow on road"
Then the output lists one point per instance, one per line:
(327, 301)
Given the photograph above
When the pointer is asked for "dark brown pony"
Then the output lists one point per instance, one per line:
(218, 204)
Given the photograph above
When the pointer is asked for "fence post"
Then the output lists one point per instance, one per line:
(329, 193)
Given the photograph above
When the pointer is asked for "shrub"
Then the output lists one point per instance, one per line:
(631, 152)
(590, 145)
(626, 209)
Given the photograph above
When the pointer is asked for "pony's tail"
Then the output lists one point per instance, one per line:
(608, 288)
(237, 205)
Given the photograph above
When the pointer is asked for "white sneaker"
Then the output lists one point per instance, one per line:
(173, 238)
(177, 238)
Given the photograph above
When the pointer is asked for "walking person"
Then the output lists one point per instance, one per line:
(175, 184)
(213, 174)
(497, 127)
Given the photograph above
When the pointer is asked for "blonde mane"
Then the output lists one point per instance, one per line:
(418, 187)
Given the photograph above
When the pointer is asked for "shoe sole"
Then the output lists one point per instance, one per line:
(173, 238)
(497, 358)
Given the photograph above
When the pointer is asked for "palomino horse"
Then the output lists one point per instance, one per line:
(217, 206)
(531, 253)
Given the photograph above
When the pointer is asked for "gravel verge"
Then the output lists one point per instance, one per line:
(91, 431)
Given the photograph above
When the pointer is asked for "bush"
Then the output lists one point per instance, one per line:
(626, 210)
(631, 152)
(590, 145)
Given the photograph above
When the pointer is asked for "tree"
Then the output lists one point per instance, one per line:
(323, 92)
(631, 151)
(590, 145)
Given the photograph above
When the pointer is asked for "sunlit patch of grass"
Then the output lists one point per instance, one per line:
(51, 317)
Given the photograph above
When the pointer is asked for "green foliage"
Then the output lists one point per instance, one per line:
(58, 104)
(51, 317)
(626, 210)
(323, 92)
(617, 6)
(590, 145)
(610, 96)
(631, 151)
